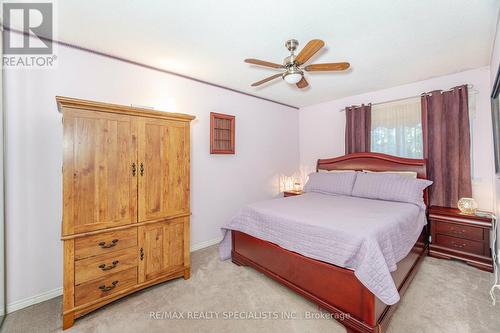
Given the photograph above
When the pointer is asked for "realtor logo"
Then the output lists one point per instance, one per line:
(36, 19)
(28, 30)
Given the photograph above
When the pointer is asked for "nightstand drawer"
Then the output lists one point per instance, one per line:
(458, 230)
(459, 244)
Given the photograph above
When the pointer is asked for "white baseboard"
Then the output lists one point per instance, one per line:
(23, 303)
(202, 245)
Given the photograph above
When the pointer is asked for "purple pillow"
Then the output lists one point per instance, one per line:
(390, 187)
(331, 182)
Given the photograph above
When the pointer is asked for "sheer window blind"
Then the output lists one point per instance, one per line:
(397, 128)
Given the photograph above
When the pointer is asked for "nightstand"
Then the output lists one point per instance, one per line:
(291, 193)
(458, 236)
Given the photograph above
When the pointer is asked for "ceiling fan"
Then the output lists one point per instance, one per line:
(293, 64)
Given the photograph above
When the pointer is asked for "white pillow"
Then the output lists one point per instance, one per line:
(331, 182)
(411, 174)
(320, 170)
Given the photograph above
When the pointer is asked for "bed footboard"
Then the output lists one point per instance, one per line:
(333, 288)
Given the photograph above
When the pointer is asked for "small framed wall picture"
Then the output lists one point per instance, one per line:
(222, 133)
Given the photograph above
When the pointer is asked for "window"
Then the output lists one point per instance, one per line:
(397, 128)
(221, 133)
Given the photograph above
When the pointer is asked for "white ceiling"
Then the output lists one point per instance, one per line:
(387, 42)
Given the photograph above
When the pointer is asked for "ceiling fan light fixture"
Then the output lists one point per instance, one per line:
(292, 77)
(294, 66)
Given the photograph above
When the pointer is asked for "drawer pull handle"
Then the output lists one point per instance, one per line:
(107, 268)
(112, 286)
(107, 246)
(458, 245)
(455, 231)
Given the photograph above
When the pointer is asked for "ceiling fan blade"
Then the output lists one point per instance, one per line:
(258, 83)
(309, 50)
(302, 83)
(263, 63)
(337, 66)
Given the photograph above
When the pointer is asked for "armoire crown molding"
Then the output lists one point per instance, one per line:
(75, 103)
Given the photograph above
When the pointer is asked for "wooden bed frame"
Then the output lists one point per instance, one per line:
(334, 288)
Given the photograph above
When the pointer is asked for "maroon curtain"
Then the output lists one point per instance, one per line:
(358, 129)
(445, 119)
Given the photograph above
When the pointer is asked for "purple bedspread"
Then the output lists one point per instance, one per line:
(365, 235)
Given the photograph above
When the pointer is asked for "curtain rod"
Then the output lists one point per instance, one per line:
(469, 86)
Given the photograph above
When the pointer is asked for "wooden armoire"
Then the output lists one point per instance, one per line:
(126, 208)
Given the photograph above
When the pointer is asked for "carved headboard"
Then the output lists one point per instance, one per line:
(373, 162)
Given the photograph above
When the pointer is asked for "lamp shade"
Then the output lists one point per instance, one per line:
(467, 206)
(293, 78)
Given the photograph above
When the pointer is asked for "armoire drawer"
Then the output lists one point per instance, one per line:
(105, 242)
(95, 289)
(103, 265)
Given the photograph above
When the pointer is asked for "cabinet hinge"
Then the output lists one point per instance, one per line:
(142, 253)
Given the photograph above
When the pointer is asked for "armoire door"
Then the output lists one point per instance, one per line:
(163, 168)
(161, 247)
(99, 171)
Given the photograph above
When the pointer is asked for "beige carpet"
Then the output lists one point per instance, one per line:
(445, 296)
